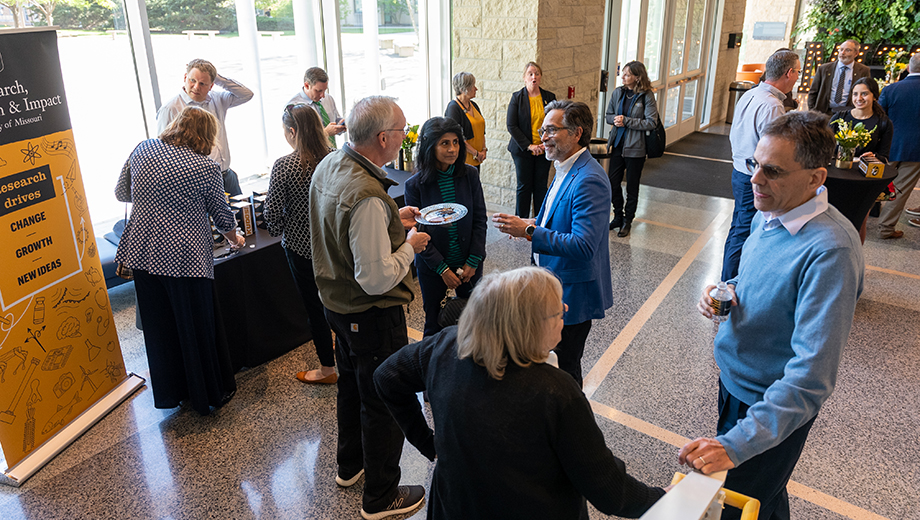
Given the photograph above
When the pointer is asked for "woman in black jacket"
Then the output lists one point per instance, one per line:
(525, 116)
(632, 111)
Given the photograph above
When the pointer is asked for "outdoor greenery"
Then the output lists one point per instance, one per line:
(867, 21)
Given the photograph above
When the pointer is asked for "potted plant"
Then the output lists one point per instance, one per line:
(849, 138)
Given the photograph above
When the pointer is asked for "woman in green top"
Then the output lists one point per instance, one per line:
(443, 176)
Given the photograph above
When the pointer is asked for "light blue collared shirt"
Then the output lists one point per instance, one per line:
(754, 111)
(847, 83)
(796, 218)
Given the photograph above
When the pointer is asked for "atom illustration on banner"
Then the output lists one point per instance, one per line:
(30, 153)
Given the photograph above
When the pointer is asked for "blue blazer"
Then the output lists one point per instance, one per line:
(902, 102)
(472, 228)
(574, 242)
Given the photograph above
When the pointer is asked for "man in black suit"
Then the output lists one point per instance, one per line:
(830, 88)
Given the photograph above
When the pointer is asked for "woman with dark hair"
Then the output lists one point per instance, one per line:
(467, 114)
(287, 213)
(174, 186)
(867, 111)
(443, 177)
(632, 111)
(525, 117)
(514, 436)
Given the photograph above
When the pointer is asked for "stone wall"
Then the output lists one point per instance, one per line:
(494, 39)
(732, 22)
(757, 51)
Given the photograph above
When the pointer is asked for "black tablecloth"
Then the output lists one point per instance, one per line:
(397, 192)
(258, 312)
(852, 193)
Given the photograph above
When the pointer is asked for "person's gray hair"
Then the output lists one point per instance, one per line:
(369, 117)
(575, 114)
(914, 64)
(779, 64)
(809, 132)
(315, 75)
(462, 82)
(854, 42)
(506, 318)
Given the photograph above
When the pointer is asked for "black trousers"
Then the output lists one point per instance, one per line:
(369, 438)
(532, 182)
(433, 291)
(763, 477)
(571, 348)
(179, 335)
(632, 167)
(302, 271)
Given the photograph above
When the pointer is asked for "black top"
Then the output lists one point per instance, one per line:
(456, 112)
(525, 447)
(880, 144)
(518, 121)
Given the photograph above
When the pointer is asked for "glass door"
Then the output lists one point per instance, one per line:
(685, 68)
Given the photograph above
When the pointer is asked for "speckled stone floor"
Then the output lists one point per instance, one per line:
(270, 453)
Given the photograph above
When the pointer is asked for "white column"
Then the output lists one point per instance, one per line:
(249, 38)
(145, 68)
(371, 42)
(332, 42)
(434, 29)
(307, 32)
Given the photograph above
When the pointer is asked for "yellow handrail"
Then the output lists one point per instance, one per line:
(750, 507)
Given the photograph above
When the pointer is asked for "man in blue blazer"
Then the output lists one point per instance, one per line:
(901, 101)
(569, 236)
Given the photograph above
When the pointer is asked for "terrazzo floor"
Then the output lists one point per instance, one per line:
(650, 376)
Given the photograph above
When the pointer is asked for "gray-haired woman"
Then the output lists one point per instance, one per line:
(464, 111)
(514, 436)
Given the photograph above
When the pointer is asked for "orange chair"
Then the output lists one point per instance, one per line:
(751, 72)
(750, 507)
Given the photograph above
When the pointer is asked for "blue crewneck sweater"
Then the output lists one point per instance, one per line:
(780, 348)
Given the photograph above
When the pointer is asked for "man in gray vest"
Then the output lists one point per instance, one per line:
(361, 258)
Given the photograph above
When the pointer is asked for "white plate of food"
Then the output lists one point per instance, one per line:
(441, 214)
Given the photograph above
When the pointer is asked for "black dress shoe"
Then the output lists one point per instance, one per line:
(226, 398)
(624, 231)
(617, 222)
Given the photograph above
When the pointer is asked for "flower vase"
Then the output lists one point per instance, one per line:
(408, 162)
(844, 158)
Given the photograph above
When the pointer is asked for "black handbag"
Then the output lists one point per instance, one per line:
(655, 140)
(451, 309)
(121, 270)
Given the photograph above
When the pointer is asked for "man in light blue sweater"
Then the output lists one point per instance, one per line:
(793, 302)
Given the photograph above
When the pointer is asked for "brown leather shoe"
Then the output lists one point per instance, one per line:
(897, 233)
(310, 377)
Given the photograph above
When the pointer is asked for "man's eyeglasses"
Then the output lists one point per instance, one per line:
(768, 171)
(550, 131)
(404, 130)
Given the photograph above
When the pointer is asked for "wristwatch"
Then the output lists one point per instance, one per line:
(529, 231)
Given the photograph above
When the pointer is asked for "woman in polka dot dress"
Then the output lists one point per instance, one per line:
(174, 186)
(287, 213)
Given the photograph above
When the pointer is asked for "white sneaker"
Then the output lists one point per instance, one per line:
(349, 482)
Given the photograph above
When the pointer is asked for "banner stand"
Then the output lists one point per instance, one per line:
(37, 458)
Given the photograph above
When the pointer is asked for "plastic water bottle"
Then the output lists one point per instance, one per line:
(721, 303)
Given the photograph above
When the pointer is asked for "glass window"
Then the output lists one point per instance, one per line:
(629, 31)
(105, 110)
(653, 46)
(677, 38)
(670, 113)
(689, 107)
(696, 34)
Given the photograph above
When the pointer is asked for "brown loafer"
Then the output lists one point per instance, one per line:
(897, 233)
(304, 377)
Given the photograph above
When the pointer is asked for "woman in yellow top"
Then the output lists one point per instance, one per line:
(525, 116)
(465, 112)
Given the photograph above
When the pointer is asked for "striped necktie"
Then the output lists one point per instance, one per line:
(838, 96)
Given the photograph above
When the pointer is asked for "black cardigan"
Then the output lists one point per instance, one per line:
(519, 120)
(525, 447)
(455, 112)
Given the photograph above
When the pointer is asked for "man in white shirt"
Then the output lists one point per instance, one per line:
(830, 88)
(200, 77)
(569, 235)
(361, 258)
(313, 94)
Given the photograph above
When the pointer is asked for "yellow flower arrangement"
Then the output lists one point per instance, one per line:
(409, 141)
(851, 137)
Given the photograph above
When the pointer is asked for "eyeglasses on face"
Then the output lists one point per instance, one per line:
(769, 172)
(550, 131)
(404, 130)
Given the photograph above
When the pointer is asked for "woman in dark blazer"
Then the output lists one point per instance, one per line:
(526, 147)
(632, 111)
(442, 177)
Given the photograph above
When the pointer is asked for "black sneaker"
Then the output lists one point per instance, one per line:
(407, 499)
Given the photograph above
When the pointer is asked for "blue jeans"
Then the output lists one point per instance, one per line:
(741, 223)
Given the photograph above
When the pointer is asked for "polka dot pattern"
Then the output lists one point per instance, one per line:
(173, 190)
